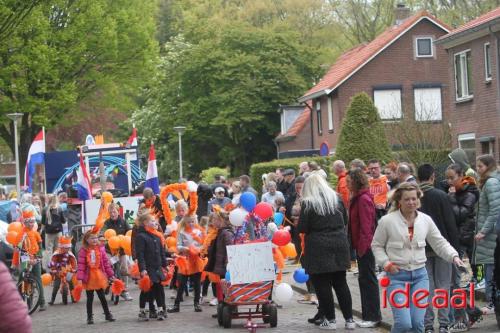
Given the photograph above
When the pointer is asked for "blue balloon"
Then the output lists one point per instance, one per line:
(278, 218)
(248, 201)
(227, 277)
(300, 275)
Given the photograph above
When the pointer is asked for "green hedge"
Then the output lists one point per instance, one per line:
(208, 175)
(258, 169)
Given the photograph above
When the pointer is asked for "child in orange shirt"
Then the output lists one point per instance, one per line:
(94, 270)
(29, 249)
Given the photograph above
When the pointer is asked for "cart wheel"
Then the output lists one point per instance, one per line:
(227, 316)
(220, 308)
(265, 312)
(273, 315)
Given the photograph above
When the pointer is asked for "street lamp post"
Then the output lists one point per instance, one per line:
(180, 130)
(15, 117)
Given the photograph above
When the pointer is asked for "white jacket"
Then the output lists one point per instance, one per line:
(391, 242)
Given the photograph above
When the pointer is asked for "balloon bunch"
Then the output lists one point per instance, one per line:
(14, 233)
(116, 242)
(248, 201)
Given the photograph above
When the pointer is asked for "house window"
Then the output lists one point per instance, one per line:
(424, 47)
(288, 117)
(463, 75)
(318, 115)
(388, 103)
(467, 142)
(487, 61)
(330, 114)
(428, 104)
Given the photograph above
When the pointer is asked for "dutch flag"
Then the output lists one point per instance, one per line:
(36, 155)
(83, 182)
(132, 140)
(152, 173)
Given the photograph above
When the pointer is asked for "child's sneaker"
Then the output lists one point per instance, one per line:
(153, 315)
(459, 326)
(143, 316)
(161, 315)
(328, 324)
(350, 324)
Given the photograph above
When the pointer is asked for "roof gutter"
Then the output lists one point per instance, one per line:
(317, 94)
(449, 40)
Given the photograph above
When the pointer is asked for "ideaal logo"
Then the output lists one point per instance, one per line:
(401, 298)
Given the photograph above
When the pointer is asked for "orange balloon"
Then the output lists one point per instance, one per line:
(125, 242)
(109, 233)
(46, 279)
(121, 238)
(171, 242)
(129, 233)
(15, 226)
(128, 251)
(289, 250)
(114, 243)
(13, 238)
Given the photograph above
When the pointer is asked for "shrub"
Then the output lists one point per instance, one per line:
(208, 175)
(362, 134)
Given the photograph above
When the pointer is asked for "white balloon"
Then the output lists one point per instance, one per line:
(283, 293)
(237, 217)
(192, 186)
(272, 227)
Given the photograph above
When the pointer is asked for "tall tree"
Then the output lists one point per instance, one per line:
(226, 90)
(66, 50)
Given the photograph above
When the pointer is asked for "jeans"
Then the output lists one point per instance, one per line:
(409, 319)
(323, 283)
(488, 279)
(51, 241)
(440, 273)
(368, 288)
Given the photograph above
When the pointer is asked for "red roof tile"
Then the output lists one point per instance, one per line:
(352, 60)
(298, 124)
(495, 13)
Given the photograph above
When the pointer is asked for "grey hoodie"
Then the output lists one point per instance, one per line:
(460, 157)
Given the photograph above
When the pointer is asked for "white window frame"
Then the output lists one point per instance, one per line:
(398, 116)
(432, 47)
(419, 101)
(319, 118)
(330, 114)
(464, 77)
(487, 62)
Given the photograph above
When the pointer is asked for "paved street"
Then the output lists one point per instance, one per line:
(72, 318)
(291, 318)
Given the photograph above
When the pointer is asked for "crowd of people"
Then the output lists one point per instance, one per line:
(393, 221)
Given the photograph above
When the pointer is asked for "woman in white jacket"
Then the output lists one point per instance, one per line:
(399, 247)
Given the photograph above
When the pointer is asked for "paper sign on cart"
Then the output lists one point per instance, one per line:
(249, 263)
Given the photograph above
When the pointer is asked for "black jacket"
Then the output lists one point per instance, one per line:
(326, 244)
(436, 204)
(150, 254)
(120, 226)
(57, 220)
(463, 202)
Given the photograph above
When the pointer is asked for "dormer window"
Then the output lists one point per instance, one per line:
(424, 47)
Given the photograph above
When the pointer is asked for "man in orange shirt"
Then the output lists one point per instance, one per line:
(29, 249)
(341, 172)
(378, 187)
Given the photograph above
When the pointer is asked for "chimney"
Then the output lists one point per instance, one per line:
(401, 13)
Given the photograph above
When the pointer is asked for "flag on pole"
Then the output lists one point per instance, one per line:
(132, 140)
(83, 181)
(36, 155)
(152, 173)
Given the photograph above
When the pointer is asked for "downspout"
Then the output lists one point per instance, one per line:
(492, 34)
(276, 143)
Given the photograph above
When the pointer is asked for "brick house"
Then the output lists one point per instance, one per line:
(402, 69)
(473, 59)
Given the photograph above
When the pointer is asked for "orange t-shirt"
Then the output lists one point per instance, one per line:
(379, 190)
(31, 243)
